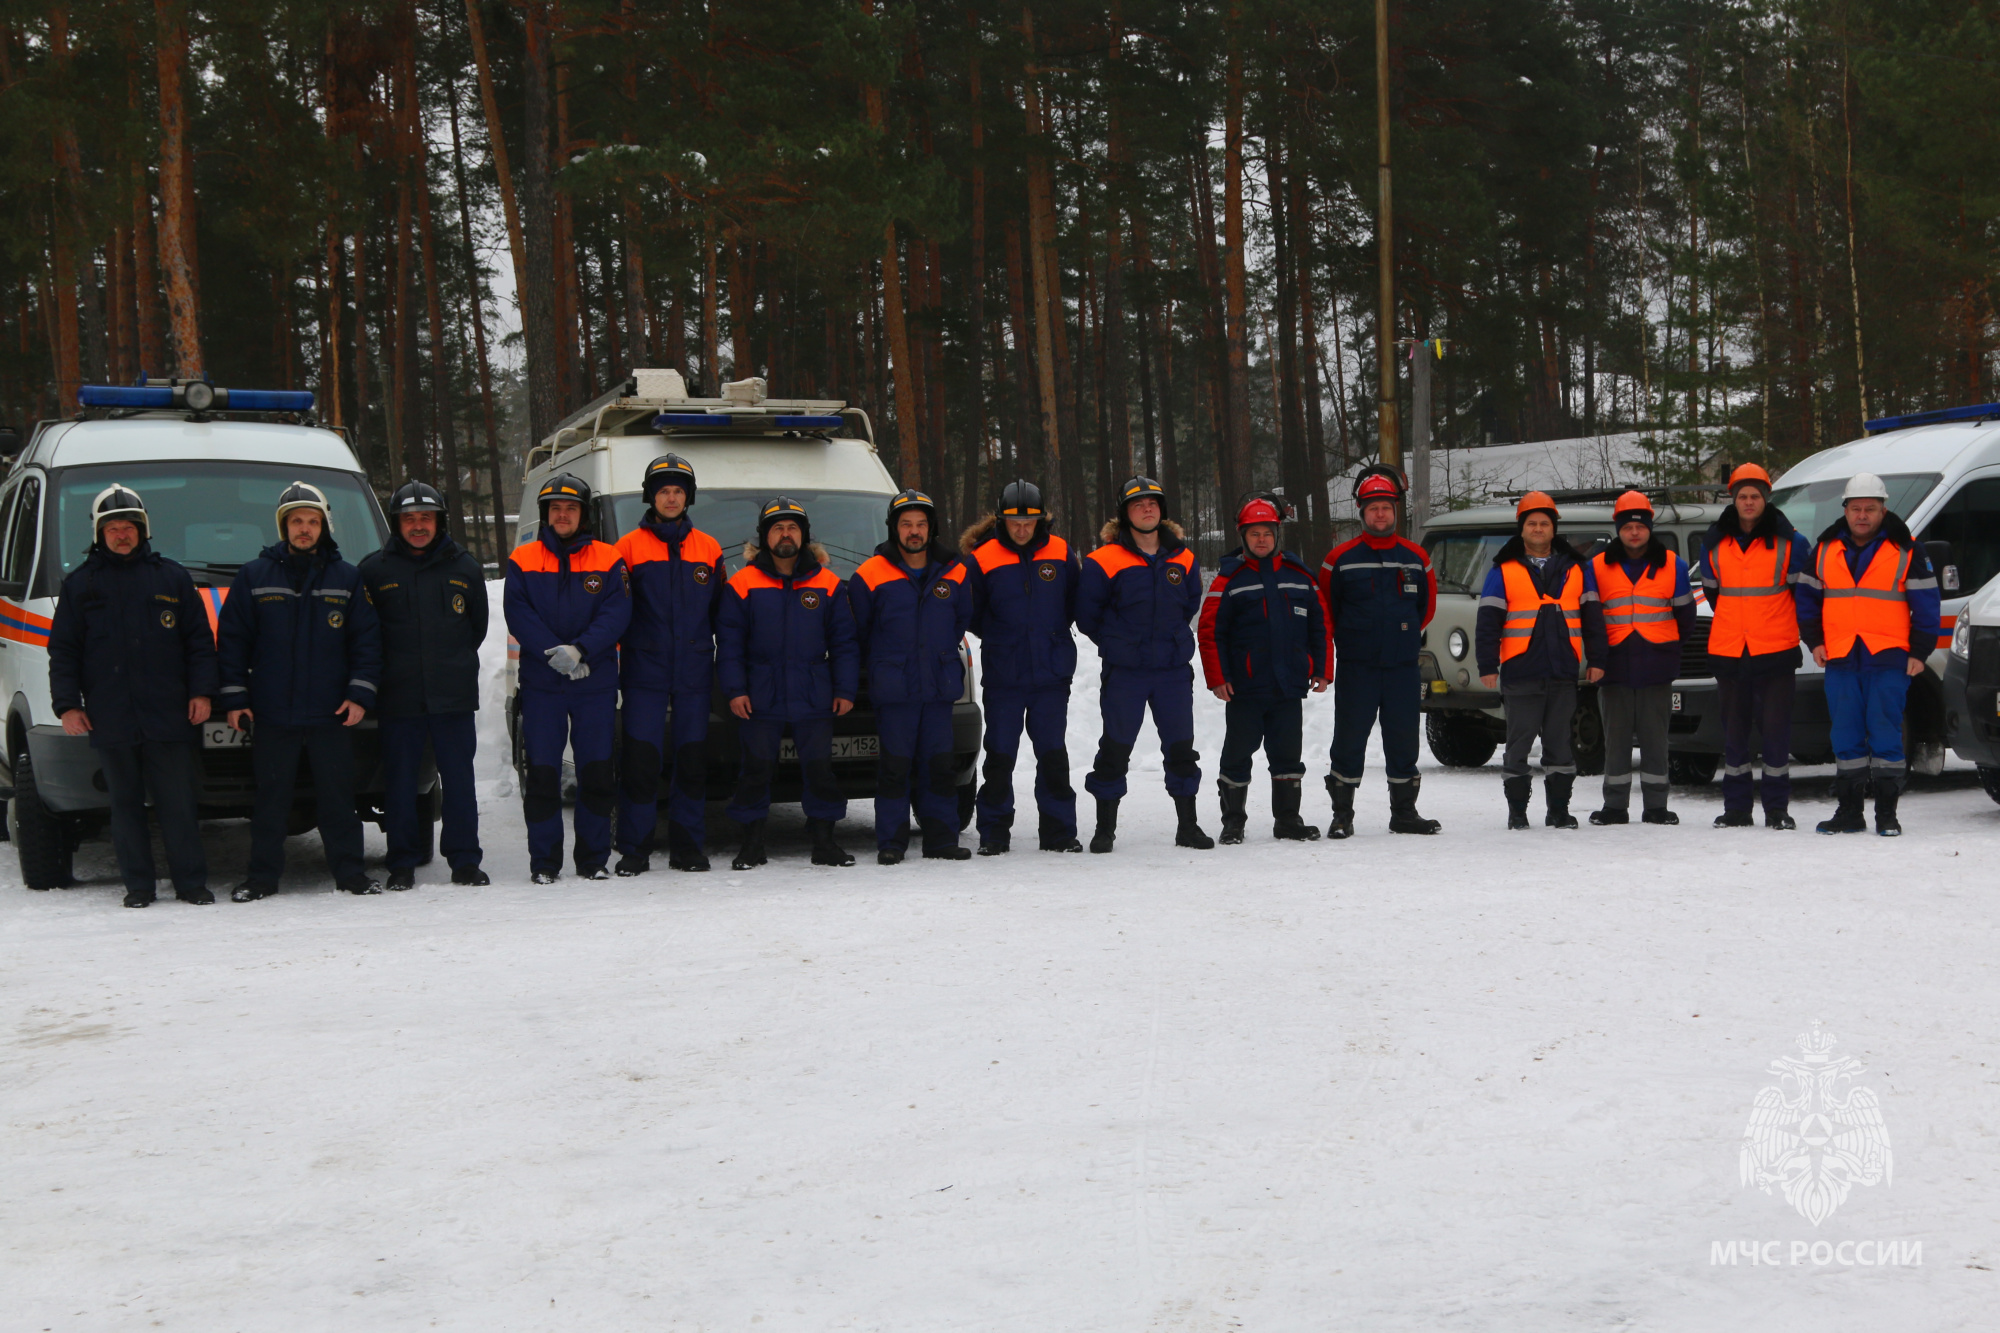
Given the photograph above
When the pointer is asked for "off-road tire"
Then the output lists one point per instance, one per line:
(1459, 742)
(1989, 778)
(1692, 770)
(1586, 735)
(41, 838)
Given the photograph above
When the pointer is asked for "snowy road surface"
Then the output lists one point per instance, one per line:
(1480, 1081)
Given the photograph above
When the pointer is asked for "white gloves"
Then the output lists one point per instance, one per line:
(567, 660)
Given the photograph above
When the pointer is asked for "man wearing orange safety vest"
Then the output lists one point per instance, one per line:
(1869, 608)
(1751, 561)
(1539, 622)
(1648, 612)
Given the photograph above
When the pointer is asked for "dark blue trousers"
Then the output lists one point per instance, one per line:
(1866, 705)
(453, 738)
(167, 768)
(647, 718)
(1272, 721)
(1361, 694)
(759, 738)
(274, 762)
(916, 752)
(584, 725)
(1046, 715)
(1763, 704)
(1124, 696)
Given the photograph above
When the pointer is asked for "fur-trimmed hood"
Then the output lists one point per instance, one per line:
(1893, 530)
(1771, 523)
(1114, 530)
(752, 553)
(1517, 550)
(1655, 554)
(989, 525)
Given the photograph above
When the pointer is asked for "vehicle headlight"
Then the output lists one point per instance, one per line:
(1961, 638)
(1457, 644)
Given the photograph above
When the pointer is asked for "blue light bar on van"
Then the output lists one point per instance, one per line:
(742, 421)
(118, 395)
(665, 419)
(193, 396)
(1977, 412)
(264, 400)
(808, 423)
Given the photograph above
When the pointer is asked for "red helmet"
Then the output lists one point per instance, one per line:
(1377, 486)
(1258, 509)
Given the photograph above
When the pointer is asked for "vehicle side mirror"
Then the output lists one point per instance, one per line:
(1941, 561)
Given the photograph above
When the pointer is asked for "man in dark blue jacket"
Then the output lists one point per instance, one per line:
(1136, 601)
(1380, 594)
(911, 611)
(132, 665)
(1263, 645)
(785, 656)
(430, 596)
(301, 658)
(568, 602)
(666, 670)
(1024, 581)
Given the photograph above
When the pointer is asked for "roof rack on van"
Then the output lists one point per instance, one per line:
(1608, 495)
(656, 402)
(198, 398)
(1975, 412)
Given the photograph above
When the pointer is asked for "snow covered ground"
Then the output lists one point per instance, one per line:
(1480, 1081)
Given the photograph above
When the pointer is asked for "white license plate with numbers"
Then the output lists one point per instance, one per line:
(1677, 701)
(222, 736)
(844, 747)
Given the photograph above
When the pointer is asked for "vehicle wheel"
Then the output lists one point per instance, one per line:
(1989, 778)
(968, 795)
(40, 837)
(1586, 736)
(1692, 770)
(1458, 742)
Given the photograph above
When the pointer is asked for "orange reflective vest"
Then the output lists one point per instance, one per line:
(1754, 611)
(1644, 607)
(1874, 608)
(1524, 606)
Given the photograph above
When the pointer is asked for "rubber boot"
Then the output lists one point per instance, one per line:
(826, 852)
(1611, 814)
(200, 896)
(1780, 818)
(1107, 826)
(1285, 822)
(1343, 808)
(1235, 799)
(751, 853)
(1517, 789)
(996, 843)
(1888, 791)
(1556, 788)
(1660, 816)
(632, 863)
(684, 850)
(1188, 833)
(1849, 790)
(1403, 816)
(139, 898)
(1056, 836)
(941, 842)
(1735, 819)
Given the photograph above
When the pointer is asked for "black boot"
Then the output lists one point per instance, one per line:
(1735, 819)
(1780, 818)
(1285, 821)
(1612, 814)
(684, 850)
(996, 842)
(472, 875)
(247, 892)
(401, 881)
(1888, 790)
(1556, 788)
(826, 852)
(892, 855)
(1107, 826)
(1517, 789)
(751, 853)
(1235, 797)
(1188, 833)
(632, 863)
(1343, 808)
(1403, 816)
(1662, 816)
(1849, 789)
(199, 895)
(1056, 836)
(941, 841)
(138, 897)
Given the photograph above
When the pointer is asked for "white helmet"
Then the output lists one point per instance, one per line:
(302, 495)
(1865, 486)
(118, 501)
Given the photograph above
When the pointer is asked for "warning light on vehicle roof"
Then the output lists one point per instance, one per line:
(195, 396)
(743, 421)
(1976, 412)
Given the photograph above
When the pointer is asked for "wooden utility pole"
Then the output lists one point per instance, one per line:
(1388, 427)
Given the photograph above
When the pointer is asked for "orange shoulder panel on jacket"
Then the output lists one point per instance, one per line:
(640, 545)
(1057, 549)
(594, 558)
(956, 573)
(1115, 559)
(750, 578)
(876, 571)
(532, 558)
(701, 548)
(826, 581)
(991, 555)
(1183, 557)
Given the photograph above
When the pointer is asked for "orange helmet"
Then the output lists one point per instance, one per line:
(1632, 507)
(1532, 501)
(1749, 474)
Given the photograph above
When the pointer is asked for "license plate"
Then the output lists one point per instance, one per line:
(222, 736)
(1677, 701)
(844, 747)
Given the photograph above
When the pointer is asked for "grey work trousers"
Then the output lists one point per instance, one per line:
(1635, 714)
(1538, 708)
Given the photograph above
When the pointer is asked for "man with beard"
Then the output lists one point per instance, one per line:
(301, 658)
(430, 596)
(911, 610)
(785, 657)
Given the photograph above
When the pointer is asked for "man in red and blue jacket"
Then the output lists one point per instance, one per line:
(568, 602)
(785, 657)
(1024, 579)
(1380, 593)
(666, 669)
(911, 611)
(1136, 601)
(1263, 645)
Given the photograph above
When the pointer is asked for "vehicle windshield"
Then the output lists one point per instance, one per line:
(211, 515)
(1815, 506)
(849, 524)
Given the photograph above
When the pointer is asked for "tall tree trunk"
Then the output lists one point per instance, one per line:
(478, 322)
(968, 501)
(1051, 336)
(537, 287)
(441, 410)
(496, 141)
(711, 319)
(1319, 468)
(177, 242)
(1292, 467)
(637, 352)
(1028, 457)
(1237, 474)
(149, 337)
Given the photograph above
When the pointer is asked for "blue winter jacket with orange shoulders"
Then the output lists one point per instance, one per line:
(787, 640)
(677, 579)
(1263, 626)
(1137, 608)
(573, 592)
(1024, 608)
(909, 623)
